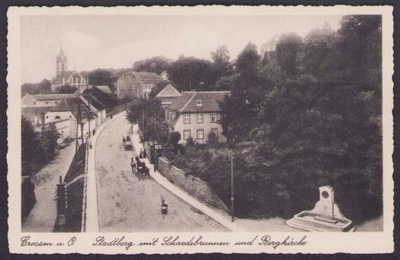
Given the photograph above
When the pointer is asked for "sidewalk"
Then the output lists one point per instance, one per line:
(92, 216)
(44, 213)
(182, 194)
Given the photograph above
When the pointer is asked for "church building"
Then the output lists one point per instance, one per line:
(64, 76)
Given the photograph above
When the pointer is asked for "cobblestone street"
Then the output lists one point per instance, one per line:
(127, 204)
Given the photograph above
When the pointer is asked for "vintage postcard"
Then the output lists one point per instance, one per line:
(164, 130)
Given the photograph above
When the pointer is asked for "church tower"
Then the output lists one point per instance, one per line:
(61, 63)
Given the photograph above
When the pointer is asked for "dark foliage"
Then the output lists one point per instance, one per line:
(37, 148)
(44, 87)
(312, 114)
(150, 117)
(67, 89)
(28, 198)
(155, 64)
(191, 74)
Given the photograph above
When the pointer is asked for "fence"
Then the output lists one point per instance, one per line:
(71, 194)
(192, 185)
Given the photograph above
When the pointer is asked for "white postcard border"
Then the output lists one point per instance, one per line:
(363, 242)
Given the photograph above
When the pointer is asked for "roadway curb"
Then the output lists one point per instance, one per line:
(183, 194)
(92, 227)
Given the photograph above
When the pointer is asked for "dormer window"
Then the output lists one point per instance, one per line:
(199, 103)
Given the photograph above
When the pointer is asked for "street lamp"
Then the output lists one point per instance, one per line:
(231, 155)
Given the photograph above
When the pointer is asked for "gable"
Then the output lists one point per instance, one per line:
(168, 91)
(28, 100)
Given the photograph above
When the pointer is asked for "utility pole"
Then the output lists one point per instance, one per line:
(142, 121)
(232, 187)
(90, 112)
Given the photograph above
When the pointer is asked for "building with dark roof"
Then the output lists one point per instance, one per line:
(196, 115)
(72, 109)
(136, 84)
(101, 96)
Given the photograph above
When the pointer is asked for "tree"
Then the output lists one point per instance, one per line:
(44, 87)
(156, 64)
(240, 109)
(318, 52)
(248, 63)
(49, 143)
(31, 148)
(102, 77)
(191, 74)
(288, 53)
(65, 89)
(149, 115)
(222, 67)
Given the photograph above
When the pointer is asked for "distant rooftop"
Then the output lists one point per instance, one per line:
(204, 101)
(73, 105)
(42, 97)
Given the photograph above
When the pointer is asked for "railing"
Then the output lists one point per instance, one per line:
(84, 203)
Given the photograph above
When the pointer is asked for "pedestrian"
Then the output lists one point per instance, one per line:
(144, 153)
(164, 206)
(123, 139)
(141, 153)
(90, 144)
(94, 131)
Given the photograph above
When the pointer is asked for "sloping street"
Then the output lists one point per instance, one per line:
(44, 213)
(127, 204)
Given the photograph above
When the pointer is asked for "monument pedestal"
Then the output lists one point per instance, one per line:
(325, 217)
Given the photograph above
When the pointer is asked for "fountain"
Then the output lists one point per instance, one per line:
(325, 217)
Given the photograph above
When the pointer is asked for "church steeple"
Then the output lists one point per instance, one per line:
(61, 51)
(61, 62)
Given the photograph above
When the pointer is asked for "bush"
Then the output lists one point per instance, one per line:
(28, 198)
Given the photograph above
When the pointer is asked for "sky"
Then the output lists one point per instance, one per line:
(106, 41)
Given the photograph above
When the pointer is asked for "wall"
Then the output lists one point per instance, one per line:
(127, 86)
(51, 116)
(192, 185)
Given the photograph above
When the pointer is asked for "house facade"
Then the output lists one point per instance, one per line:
(34, 107)
(196, 115)
(133, 85)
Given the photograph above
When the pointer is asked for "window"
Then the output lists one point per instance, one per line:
(200, 133)
(199, 103)
(186, 134)
(57, 117)
(215, 131)
(34, 102)
(214, 117)
(186, 118)
(199, 118)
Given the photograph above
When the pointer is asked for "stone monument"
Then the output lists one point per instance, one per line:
(325, 217)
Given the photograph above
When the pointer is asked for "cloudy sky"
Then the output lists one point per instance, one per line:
(92, 42)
